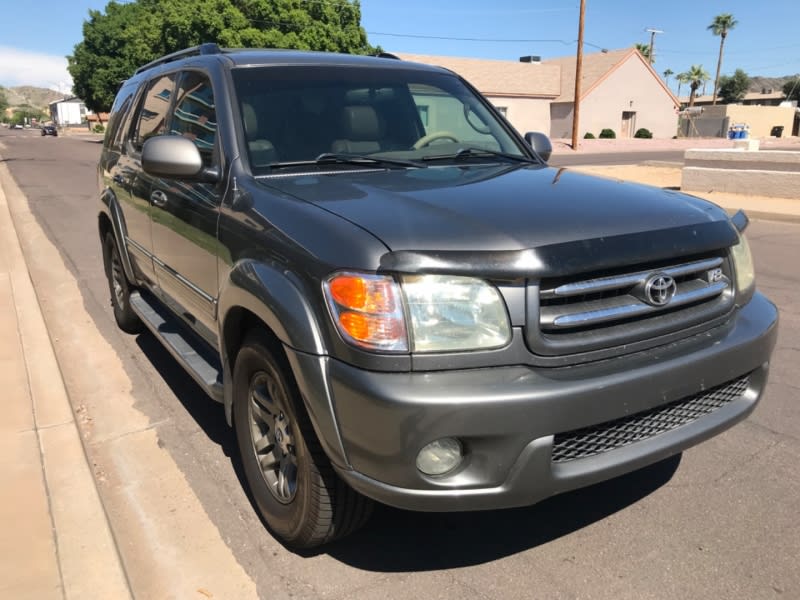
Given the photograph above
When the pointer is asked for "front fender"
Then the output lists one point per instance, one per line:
(277, 298)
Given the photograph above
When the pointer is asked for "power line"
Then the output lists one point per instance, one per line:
(466, 39)
(491, 40)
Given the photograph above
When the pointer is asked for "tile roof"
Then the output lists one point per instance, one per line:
(499, 77)
(594, 68)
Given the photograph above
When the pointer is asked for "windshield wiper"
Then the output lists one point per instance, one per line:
(463, 153)
(341, 158)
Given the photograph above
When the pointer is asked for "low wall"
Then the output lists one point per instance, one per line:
(762, 173)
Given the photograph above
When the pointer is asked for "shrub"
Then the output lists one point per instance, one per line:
(99, 128)
(608, 134)
(643, 133)
(588, 136)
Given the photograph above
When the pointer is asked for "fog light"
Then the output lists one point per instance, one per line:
(440, 457)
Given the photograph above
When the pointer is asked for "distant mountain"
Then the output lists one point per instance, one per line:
(759, 84)
(27, 94)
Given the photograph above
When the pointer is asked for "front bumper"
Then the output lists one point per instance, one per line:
(506, 417)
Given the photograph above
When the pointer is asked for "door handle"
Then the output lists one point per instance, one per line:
(158, 198)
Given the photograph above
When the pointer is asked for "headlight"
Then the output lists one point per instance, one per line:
(451, 313)
(743, 263)
(445, 313)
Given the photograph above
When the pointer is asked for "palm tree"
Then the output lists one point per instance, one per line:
(644, 50)
(681, 78)
(720, 26)
(666, 75)
(695, 76)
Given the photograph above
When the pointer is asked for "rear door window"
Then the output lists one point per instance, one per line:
(152, 117)
(195, 114)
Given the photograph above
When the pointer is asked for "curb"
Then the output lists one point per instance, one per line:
(89, 563)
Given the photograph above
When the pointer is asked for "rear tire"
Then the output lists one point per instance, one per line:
(120, 289)
(294, 486)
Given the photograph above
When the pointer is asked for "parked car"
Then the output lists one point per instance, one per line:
(49, 130)
(396, 299)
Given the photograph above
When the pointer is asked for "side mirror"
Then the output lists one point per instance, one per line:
(175, 157)
(540, 144)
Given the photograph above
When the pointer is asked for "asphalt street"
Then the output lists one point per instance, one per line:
(720, 521)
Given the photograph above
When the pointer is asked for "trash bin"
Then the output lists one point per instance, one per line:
(776, 131)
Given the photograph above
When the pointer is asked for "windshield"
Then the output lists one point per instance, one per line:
(294, 115)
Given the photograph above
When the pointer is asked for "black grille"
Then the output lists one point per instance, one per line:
(591, 441)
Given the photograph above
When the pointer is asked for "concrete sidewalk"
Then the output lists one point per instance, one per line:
(669, 176)
(56, 540)
(620, 145)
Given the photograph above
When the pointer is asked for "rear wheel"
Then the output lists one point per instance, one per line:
(120, 289)
(292, 482)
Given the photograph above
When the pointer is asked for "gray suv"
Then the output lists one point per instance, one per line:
(397, 300)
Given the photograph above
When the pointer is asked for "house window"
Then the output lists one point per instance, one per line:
(503, 110)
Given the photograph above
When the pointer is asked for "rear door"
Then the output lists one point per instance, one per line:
(184, 214)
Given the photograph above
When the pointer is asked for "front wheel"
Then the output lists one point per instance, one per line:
(293, 484)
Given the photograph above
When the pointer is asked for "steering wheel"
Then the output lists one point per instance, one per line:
(426, 140)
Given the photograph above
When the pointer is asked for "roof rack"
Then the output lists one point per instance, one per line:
(207, 48)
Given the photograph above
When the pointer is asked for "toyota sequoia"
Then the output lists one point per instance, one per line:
(397, 300)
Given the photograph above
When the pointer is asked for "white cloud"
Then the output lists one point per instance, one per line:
(23, 67)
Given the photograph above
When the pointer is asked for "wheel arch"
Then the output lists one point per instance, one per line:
(111, 218)
(258, 295)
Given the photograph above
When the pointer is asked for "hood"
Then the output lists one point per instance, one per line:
(494, 208)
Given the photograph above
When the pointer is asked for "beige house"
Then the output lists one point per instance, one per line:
(521, 91)
(619, 91)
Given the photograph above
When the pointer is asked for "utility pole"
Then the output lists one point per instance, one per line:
(652, 32)
(576, 105)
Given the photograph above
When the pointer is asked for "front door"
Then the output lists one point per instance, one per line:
(185, 213)
(628, 123)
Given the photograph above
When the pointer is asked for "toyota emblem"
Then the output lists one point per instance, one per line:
(659, 289)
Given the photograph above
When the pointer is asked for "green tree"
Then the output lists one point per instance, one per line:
(681, 78)
(792, 89)
(720, 26)
(696, 75)
(644, 50)
(3, 101)
(667, 73)
(732, 89)
(125, 36)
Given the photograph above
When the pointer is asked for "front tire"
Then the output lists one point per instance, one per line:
(120, 289)
(293, 484)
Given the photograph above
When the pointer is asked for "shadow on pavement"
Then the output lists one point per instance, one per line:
(396, 540)
(208, 414)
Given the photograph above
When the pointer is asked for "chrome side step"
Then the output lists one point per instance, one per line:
(184, 346)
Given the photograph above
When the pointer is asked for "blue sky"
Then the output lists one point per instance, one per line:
(765, 41)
